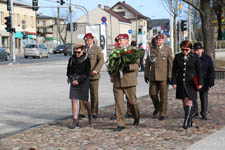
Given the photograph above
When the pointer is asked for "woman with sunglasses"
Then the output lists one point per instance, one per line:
(78, 71)
(186, 66)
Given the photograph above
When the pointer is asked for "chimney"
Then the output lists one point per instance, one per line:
(106, 8)
(99, 6)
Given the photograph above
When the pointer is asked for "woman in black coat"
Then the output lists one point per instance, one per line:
(186, 66)
(78, 71)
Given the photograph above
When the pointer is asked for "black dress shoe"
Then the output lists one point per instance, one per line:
(155, 112)
(136, 122)
(204, 117)
(94, 117)
(128, 116)
(81, 116)
(162, 118)
(194, 115)
(119, 128)
(113, 117)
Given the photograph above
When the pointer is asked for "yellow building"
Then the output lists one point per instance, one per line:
(24, 24)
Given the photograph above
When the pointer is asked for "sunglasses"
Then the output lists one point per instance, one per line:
(185, 49)
(77, 52)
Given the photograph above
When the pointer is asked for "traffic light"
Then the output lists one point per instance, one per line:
(8, 24)
(9, 5)
(35, 5)
(183, 25)
(62, 2)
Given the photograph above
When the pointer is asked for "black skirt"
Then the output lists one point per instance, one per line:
(80, 92)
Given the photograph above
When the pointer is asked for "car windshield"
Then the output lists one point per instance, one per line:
(30, 46)
(60, 46)
(68, 45)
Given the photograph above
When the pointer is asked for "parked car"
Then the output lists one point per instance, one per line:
(59, 49)
(36, 50)
(67, 49)
(4, 54)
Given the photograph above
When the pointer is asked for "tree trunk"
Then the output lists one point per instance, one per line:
(218, 11)
(207, 30)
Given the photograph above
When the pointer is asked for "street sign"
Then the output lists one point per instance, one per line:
(130, 31)
(103, 19)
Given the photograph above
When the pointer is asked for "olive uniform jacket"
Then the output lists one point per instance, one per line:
(127, 78)
(158, 66)
(97, 60)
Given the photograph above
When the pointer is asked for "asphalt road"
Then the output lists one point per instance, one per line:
(36, 93)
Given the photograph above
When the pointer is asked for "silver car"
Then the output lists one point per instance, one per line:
(4, 54)
(36, 50)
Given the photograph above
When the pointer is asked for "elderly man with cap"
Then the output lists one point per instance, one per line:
(124, 82)
(158, 71)
(97, 60)
(208, 80)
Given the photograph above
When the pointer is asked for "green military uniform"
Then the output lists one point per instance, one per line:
(158, 69)
(97, 60)
(126, 84)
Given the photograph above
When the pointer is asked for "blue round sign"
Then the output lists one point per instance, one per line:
(103, 19)
(130, 31)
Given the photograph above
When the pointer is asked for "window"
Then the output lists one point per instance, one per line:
(5, 41)
(122, 13)
(18, 19)
(44, 23)
(32, 21)
(119, 7)
(1, 18)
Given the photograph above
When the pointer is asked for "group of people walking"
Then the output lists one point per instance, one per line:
(189, 72)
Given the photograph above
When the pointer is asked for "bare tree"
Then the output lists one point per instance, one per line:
(173, 12)
(205, 11)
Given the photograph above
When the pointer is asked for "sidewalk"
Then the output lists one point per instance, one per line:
(151, 134)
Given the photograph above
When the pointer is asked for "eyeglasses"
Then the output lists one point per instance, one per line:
(185, 49)
(77, 52)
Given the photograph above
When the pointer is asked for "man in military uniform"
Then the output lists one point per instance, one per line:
(158, 71)
(97, 60)
(124, 82)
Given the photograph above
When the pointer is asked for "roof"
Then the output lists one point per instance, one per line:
(46, 17)
(18, 2)
(114, 14)
(158, 22)
(131, 9)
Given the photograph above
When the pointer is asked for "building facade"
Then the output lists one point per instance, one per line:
(24, 24)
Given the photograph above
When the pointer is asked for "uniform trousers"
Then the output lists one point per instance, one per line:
(130, 93)
(159, 88)
(94, 84)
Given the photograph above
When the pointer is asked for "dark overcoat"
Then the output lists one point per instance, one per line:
(183, 73)
(208, 72)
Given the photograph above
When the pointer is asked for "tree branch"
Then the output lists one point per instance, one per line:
(194, 6)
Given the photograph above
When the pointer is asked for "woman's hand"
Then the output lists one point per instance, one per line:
(200, 86)
(75, 82)
(174, 86)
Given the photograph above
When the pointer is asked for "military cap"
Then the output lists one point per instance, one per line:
(88, 36)
(159, 36)
(122, 36)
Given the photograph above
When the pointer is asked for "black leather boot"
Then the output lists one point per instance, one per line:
(187, 110)
(89, 119)
(74, 124)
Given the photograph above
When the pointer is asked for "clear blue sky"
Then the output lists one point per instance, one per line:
(150, 8)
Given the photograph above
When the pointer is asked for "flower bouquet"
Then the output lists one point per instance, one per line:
(121, 58)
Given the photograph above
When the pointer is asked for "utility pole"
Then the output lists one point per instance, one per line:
(171, 28)
(58, 23)
(12, 48)
(71, 27)
(189, 22)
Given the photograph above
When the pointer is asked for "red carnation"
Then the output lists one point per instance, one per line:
(127, 52)
(132, 51)
(121, 53)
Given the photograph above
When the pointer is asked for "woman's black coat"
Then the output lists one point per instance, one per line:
(78, 68)
(183, 73)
